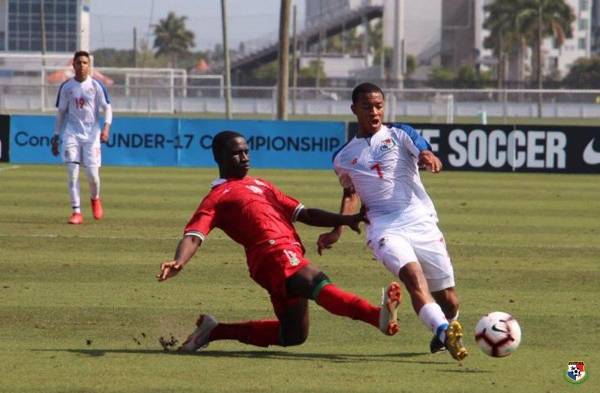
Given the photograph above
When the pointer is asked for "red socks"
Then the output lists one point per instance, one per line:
(340, 302)
(260, 333)
(263, 333)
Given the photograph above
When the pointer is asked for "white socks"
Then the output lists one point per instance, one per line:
(433, 317)
(73, 186)
(93, 177)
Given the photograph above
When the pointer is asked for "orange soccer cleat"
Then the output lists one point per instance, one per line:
(97, 208)
(388, 316)
(76, 219)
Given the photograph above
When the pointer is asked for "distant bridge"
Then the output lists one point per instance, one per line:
(333, 26)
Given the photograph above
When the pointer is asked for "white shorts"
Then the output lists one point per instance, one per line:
(85, 153)
(424, 244)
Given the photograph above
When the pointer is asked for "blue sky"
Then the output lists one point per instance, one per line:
(112, 21)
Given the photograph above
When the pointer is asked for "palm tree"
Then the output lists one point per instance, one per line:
(172, 38)
(504, 38)
(540, 19)
(514, 23)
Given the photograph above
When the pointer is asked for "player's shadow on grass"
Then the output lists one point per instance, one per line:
(406, 357)
(466, 370)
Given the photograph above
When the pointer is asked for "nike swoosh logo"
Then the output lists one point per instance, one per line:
(494, 328)
(591, 156)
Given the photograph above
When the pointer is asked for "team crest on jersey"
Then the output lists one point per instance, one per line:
(255, 189)
(386, 146)
(354, 161)
(292, 257)
(575, 372)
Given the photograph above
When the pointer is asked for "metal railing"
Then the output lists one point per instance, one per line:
(176, 96)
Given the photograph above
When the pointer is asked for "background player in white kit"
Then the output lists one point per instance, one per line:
(380, 166)
(78, 102)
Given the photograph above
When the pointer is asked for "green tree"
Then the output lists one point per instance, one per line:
(313, 71)
(110, 57)
(172, 38)
(466, 77)
(411, 65)
(504, 38)
(584, 73)
(515, 22)
(266, 73)
(540, 19)
(441, 77)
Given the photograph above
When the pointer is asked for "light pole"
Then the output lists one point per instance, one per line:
(284, 48)
(227, 69)
(398, 61)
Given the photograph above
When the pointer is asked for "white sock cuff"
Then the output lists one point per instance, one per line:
(432, 316)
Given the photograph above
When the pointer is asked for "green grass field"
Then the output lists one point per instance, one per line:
(80, 310)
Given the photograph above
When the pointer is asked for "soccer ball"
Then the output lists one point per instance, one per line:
(498, 334)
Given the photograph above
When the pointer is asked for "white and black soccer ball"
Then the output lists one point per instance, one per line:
(498, 334)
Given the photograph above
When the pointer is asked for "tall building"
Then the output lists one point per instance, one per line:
(463, 35)
(421, 20)
(559, 60)
(595, 21)
(422, 29)
(67, 25)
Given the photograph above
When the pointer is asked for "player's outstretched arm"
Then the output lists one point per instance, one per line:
(428, 160)
(350, 204)
(186, 249)
(322, 218)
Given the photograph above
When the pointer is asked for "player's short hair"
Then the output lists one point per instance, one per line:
(220, 141)
(80, 53)
(365, 88)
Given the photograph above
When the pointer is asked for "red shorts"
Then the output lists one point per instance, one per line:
(271, 268)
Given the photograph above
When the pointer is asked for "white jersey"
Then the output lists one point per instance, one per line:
(80, 102)
(383, 171)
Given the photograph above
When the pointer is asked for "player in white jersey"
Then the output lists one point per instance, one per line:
(380, 167)
(79, 102)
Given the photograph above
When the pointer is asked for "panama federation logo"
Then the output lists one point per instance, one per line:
(576, 372)
(591, 156)
(387, 145)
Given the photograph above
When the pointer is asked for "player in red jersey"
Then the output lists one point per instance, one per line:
(260, 217)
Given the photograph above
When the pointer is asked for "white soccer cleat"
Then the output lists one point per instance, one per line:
(199, 338)
(388, 316)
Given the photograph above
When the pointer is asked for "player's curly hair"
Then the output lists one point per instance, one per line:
(220, 141)
(365, 88)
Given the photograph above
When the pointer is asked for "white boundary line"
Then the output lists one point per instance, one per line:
(9, 167)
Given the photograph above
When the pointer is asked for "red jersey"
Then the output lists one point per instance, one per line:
(251, 211)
